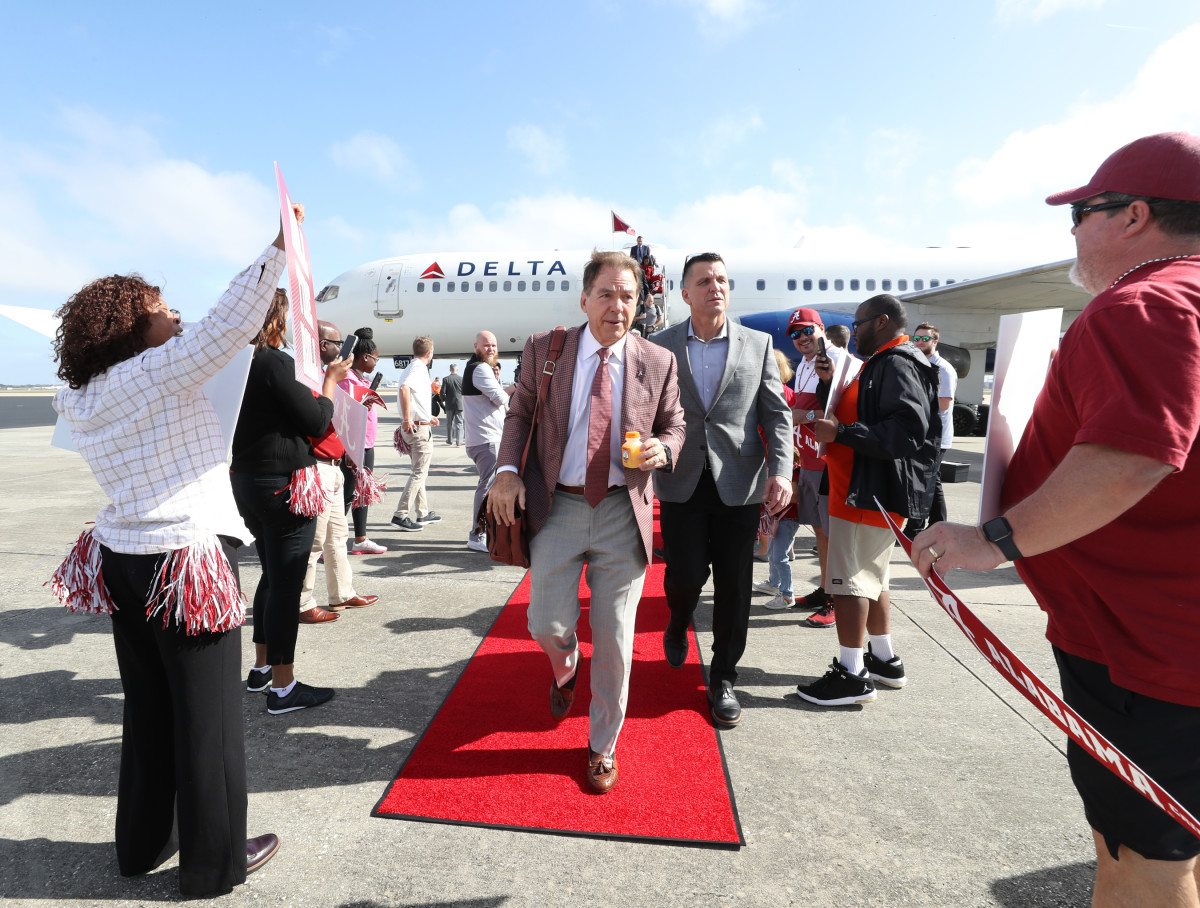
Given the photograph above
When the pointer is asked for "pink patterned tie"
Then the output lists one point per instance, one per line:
(595, 487)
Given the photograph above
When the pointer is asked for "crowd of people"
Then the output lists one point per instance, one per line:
(1106, 467)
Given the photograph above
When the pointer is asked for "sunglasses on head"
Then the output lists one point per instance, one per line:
(806, 331)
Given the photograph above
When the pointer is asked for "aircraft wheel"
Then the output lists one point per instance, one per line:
(965, 419)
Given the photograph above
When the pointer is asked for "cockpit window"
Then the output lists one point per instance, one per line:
(327, 294)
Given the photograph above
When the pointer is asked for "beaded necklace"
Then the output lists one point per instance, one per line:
(1167, 258)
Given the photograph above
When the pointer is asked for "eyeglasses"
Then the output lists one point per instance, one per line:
(330, 340)
(854, 324)
(806, 331)
(923, 338)
(1078, 211)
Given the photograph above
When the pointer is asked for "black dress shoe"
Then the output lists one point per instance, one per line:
(675, 645)
(260, 850)
(562, 698)
(724, 706)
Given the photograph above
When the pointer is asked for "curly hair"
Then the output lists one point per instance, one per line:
(275, 324)
(102, 325)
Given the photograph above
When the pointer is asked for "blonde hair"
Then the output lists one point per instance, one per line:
(785, 367)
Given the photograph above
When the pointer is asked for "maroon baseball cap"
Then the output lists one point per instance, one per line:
(802, 318)
(1164, 166)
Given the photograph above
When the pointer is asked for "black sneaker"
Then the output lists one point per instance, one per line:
(837, 687)
(407, 524)
(429, 518)
(256, 681)
(889, 674)
(302, 697)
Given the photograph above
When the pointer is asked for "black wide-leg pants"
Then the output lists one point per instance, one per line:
(705, 531)
(182, 747)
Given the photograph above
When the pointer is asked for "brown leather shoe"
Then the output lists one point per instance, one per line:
(318, 615)
(602, 771)
(260, 850)
(356, 602)
(562, 698)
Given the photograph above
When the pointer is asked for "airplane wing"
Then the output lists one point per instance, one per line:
(1040, 287)
(43, 321)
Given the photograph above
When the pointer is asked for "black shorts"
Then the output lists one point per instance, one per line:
(1162, 738)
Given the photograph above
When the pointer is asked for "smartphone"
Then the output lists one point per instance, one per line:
(820, 346)
(348, 346)
(376, 380)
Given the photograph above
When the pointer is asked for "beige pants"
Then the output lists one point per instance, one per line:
(412, 499)
(330, 539)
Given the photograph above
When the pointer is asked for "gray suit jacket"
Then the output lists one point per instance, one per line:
(726, 435)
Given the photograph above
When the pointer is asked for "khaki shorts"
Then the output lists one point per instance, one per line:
(859, 559)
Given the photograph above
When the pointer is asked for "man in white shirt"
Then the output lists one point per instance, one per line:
(484, 404)
(416, 425)
(925, 338)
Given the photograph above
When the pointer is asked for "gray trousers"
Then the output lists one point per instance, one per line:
(607, 540)
(485, 456)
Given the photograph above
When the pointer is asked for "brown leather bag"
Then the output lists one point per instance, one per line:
(510, 544)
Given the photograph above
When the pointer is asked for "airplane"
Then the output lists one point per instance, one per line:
(451, 296)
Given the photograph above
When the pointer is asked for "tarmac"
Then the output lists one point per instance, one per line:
(951, 792)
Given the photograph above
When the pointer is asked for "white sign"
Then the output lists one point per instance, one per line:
(1025, 345)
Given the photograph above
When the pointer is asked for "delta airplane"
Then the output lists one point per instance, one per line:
(450, 296)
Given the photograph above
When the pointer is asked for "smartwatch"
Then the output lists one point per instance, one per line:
(998, 531)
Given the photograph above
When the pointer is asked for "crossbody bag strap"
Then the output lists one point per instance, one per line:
(557, 340)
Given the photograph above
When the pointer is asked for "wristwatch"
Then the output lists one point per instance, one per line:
(998, 531)
(810, 415)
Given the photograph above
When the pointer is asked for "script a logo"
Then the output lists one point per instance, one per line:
(434, 270)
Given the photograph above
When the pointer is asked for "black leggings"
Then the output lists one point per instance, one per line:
(360, 514)
(182, 745)
(283, 541)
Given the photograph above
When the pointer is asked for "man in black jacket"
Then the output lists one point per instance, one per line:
(883, 439)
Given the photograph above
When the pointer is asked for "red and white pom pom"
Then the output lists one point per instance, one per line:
(368, 489)
(399, 443)
(307, 497)
(197, 587)
(79, 581)
(766, 523)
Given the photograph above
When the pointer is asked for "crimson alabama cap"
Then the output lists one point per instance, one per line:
(1163, 166)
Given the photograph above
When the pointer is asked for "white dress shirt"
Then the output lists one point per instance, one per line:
(707, 361)
(587, 359)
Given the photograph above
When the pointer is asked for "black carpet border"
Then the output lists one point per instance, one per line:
(376, 813)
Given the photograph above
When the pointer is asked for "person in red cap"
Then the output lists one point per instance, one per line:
(1101, 511)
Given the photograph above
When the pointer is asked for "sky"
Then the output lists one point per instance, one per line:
(141, 137)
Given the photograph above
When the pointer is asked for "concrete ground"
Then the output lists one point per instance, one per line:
(951, 792)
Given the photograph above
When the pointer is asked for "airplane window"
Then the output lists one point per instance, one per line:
(870, 283)
(437, 285)
(492, 286)
(792, 284)
(918, 284)
(885, 284)
(949, 281)
(934, 282)
(566, 285)
(854, 283)
(479, 286)
(331, 292)
(521, 286)
(449, 286)
(536, 285)
(822, 284)
(549, 285)
(420, 286)
(731, 282)
(902, 284)
(760, 284)
(839, 284)
(808, 283)
(507, 286)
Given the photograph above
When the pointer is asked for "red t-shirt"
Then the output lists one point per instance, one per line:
(1127, 376)
(327, 446)
(840, 458)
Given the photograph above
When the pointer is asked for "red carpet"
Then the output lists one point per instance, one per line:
(494, 757)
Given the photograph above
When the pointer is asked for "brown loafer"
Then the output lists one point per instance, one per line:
(317, 615)
(356, 602)
(260, 850)
(562, 698)
(602, 771)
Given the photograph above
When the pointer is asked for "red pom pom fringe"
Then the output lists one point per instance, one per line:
(307, 497)
(79, 581)
(368, 489)
(399, 443)
(197, 587)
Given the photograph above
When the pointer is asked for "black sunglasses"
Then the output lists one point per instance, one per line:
(1078, 211)
(329, 340)
(806, 331)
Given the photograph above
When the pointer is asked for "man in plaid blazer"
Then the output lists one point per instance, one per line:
(605, 521)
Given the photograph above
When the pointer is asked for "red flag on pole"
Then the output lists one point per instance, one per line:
(620, 226)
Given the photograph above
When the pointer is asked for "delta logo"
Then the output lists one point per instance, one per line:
(434, 270)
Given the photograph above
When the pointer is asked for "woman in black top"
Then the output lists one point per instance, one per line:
(274, 477)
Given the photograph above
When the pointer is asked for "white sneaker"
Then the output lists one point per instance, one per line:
(766, 588)
(367, 547)
(477, 545)
(780, 602)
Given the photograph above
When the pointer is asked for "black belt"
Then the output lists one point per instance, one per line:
(579, 490)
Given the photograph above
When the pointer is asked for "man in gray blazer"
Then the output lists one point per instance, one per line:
(729, 387)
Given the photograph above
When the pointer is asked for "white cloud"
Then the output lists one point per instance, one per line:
(546, 154)
(376, 157)
(723, 18)
(1009, 11)
(1061, 155)
(727, 133)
